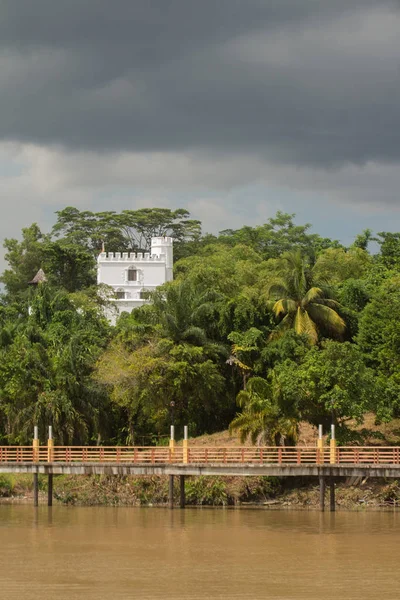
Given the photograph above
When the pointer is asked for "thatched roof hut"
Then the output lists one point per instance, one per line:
(40, 277)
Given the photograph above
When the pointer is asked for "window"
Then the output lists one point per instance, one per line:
(120, 295)
(132, 274)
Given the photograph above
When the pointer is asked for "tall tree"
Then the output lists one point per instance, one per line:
(389, 249)
(280, 234)
(363, 239)
(336, 265)
(24, 259)
(331, 384)
(299, 304)
(46, 367)
(262, 419)
(130, 230)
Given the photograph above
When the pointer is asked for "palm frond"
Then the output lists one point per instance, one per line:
(278, 308)
(284, 306)
(284, 325)
(293, 271)
(328, 318)
(313, 294)
(328, 302)
(277, 290)
(195, 335)
(303, 324)
(259, 385)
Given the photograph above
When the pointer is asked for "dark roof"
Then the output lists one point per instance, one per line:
(40, 277)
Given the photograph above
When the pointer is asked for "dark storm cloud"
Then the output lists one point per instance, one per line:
(313, 82)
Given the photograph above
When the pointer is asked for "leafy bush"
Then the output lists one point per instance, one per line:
(6, 486)
(206, 491)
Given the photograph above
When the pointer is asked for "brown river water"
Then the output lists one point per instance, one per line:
(66, 553)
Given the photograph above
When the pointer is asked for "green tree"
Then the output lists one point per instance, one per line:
(379, 340)
(24, 259)
(379, 334)
(245, 350)
(261, 419)
(331, 384)
(69, 266)
(336, 265)
(389, 249)
(165, 352)
(363, 239)
(144, 381)
(46, 368)
(235, 275)
(299, 304)
(280, 234)
(130, 230)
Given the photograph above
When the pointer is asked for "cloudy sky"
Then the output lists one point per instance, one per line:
(233, 109)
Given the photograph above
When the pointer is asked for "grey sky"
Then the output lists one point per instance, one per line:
(233, 108)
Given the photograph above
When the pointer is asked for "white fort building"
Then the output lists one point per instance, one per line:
(131, 275)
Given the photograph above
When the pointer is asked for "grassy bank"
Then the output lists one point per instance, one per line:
(203, 491)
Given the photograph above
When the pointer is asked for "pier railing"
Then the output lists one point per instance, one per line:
(297, 455)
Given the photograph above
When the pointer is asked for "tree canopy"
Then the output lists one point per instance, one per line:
(262, 328)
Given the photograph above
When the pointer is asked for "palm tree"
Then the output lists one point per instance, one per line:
(187, 314)
(299, 303)
(262, 419)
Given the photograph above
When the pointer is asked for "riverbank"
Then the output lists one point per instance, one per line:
(202, 491)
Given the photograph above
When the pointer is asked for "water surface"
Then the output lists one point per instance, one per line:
(66, 553)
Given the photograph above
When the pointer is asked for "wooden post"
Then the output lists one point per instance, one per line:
(322, 493)
(171, 492)
(50, 490)
(332, 494)
(35, 489)
(182, 498)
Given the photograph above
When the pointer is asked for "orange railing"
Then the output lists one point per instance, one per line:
(299, 455)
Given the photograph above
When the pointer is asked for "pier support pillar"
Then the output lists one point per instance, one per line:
(332, 494)
(35, 489)
(321, 493)
(50, 490)
(182, 497)
(171, 491)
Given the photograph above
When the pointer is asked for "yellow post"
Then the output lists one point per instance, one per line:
(50, 445)
(35, 445)
(185, 445)
(333, 446)
(50, 450)
(172, 442)
(320, 446)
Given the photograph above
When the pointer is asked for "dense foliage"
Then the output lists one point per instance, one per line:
(262, 328)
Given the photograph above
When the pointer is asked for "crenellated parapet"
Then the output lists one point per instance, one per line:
(130, 257)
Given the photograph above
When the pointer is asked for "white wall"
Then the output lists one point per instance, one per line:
(152, 270)
(114, 273)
